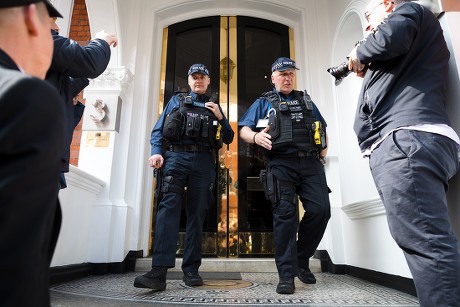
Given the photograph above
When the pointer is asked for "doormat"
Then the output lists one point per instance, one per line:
(207, 275)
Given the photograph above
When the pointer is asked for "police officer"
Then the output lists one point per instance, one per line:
(295, 145)
(193, 127)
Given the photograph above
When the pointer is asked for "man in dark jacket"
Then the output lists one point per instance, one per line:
(73, 60)
(31, 143)
(403, 126)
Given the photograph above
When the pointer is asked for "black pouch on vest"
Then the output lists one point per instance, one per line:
(274, 130)
(205, 130)
(191, 126)
(172, 126)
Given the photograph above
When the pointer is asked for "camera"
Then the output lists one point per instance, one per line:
(339, 72)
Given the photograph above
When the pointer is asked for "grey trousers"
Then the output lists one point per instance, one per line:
(411, 170)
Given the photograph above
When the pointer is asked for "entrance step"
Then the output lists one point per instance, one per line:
(245, 265)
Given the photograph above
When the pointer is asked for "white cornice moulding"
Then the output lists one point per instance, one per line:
(81, 179)
(113, 79)
(364, 209)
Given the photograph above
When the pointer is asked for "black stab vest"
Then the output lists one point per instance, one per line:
(193, 123)
(291, 123)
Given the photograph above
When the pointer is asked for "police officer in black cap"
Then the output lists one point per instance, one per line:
(295, 143)
(193, 127)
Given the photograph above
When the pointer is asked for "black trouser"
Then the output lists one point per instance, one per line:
(196, 171)
(305, 177)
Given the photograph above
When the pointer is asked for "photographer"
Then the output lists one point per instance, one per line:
(403, 127)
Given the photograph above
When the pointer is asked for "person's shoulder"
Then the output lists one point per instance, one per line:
(13, 80)
(265, 97)
(267, 94)
(411, 5)
(9, 76)
(62, 41)
(179, 97)
(17, 87)
(181, 94)
(36, 85)
(411, 8)
(414, 12)
(26, 100)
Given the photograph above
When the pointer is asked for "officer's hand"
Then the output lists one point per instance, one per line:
(262, 139)
(156, 161)
(214, 108)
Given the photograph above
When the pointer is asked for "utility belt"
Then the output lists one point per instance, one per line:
(190, 148)
(295, 154)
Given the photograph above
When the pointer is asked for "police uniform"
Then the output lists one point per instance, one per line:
(191, 134)
(294, 166)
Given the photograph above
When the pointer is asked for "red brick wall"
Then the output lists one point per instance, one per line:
(79, 31)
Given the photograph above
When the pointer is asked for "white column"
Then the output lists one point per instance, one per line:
(102, 155)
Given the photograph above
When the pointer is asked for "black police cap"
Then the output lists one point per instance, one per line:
(198, 68)
(283, 63)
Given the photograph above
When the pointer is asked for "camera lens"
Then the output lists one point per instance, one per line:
(339, 72)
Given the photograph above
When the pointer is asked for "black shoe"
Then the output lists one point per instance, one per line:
(306, 276)
(192, 279)
(155, 279)
(286, 286)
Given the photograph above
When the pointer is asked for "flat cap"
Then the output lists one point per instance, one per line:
(52, 11)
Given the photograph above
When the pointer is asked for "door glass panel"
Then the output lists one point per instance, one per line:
(260, 42)
(190, 42)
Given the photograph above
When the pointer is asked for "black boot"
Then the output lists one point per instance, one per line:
(306, 276)
(155, 279)
(286, 286)
(192, 279)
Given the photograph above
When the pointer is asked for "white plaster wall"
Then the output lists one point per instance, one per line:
(360, 234)
(76, 232)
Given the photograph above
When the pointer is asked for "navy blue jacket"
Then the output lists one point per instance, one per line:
(407, 75)
(73, 60)
(156, 139)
